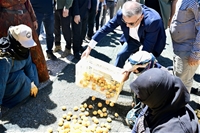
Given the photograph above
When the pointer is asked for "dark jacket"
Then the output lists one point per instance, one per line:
(93, 5)
(79, 7)
(42, 6)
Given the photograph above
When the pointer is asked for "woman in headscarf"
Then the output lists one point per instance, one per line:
(166, 99)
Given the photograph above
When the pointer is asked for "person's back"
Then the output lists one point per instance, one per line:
(185, 34)
(166, 99)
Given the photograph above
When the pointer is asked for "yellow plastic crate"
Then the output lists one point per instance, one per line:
(99, 76)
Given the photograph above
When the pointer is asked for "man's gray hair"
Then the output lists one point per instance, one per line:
(131, 8)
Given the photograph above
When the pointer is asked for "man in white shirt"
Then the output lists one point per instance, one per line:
(140, 25)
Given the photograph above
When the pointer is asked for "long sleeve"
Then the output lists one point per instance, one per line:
(151, 36)
(60, 4)
(75, 8)
(68, 3)
(30, 72)
(196, 45)
(5, 70)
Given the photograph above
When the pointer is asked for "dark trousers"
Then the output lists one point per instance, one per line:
(79, 31)
(64, 23)
(48, 21)
(97, 19)
(91, 20)
(127, 49)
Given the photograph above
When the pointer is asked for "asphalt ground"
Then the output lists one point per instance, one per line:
(36, 115)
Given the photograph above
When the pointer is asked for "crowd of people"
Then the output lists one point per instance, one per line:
(162, 100)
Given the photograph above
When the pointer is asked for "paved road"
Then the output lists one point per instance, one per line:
(45, 111)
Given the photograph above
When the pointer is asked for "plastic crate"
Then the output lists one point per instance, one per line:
(99, 76)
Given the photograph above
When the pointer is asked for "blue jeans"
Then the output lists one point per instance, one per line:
(42, 29)
(127, 49)
(48, 21)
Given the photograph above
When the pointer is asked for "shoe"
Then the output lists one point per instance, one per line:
(195, 91)
(170, 68)
(43, 35)
(66, 53)
(114, 32)
(51, 56)
(89, 38)
(3, 111)
(57, 48)
(77, 56)
(131, 116)
(83, 49)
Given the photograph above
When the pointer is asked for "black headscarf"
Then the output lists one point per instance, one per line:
(163, 93)
(9, 46)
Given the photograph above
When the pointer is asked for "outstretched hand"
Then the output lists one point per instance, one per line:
(125, 75)
(35, 24)
(77, 19)
(86, 52)
(65, 12)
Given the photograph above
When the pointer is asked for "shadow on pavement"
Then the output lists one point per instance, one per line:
(109, 40)
(121, 110)
(54, 66)
(125, 93)
(69, 71)
(197, 78)
(33, 113)
(194, 105)
(100, 56)
(164, 61)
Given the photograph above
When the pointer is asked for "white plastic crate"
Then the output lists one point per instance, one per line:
(99, 76)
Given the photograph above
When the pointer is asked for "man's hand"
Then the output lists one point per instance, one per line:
(115, 4)
(65, 12)
(193, 62)
(34, 90)
(125, 75)
(86, 52)
(77, 19)
(35, 24)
